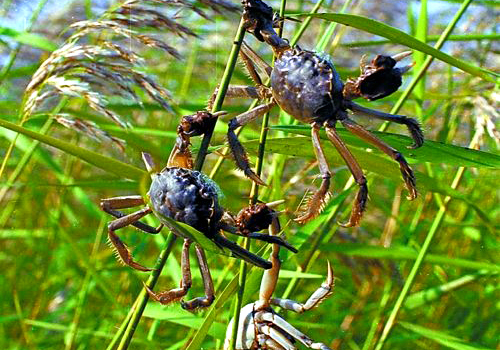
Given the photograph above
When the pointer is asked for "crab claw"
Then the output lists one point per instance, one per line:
(398, 57)
(148, 161)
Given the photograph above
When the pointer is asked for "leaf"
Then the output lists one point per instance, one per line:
(441, 337)
(184, 230)
(430, 152)
(397, 36)
(30, 39)
(108, 164)
(405, 253)
(184, 318)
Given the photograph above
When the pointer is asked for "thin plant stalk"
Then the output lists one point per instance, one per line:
(296, 38)
(254, 194)
(143, 296)
(17, 47)
(423, 69)
(27, 155)
(219, 99)
(5, 70)
(436, 224)
(82, 295)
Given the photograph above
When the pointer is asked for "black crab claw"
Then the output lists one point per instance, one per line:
(378, 79)
(259, 19)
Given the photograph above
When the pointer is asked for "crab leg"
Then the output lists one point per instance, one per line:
(267, 343)
(250, 57)
(242, 253)
(260, 236)
(176, 293)
(276, 337)
(109, 204)
(236, 147)
(314, 300)
(208, 284)
(121, 248)
(288, 328)
(259, 92)
(412, 124)
(406, 171)
(270, 277)
(352, 164)
(317, 201)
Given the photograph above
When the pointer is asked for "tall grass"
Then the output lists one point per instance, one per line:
(413, 275)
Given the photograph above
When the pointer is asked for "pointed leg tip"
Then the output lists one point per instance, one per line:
(330, 277)
(398, 57)
(351, 223)
(255, 178)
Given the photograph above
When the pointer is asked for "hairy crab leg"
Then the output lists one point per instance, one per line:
(242, 91)
(109, 204)
(357, 173)
(411, 123)
(121, 248)
(208, 284)
(176, 293)
(323, 292)
(235, 145)
(250, 57)
(316, 203)
(406, 171)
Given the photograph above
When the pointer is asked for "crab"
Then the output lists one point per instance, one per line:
(190, 197)
(259, 326)
(306, 85)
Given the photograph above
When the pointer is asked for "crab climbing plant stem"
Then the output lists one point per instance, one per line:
(221, 93)
(130, 323)
(254, 194)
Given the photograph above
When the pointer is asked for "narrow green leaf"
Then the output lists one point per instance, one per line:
(111, 165)
(184, 318)
(441, 337)
(30, 39)
(397, 36)
(431, 151)
(405, 253)
(430, 38)
(427, 296)
(185, 230)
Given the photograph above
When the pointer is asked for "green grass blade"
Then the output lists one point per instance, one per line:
(185, 230)
(108, 164)
(430, 152)
(405, 253)
(400, 37)
(30, 39)
(440, 337)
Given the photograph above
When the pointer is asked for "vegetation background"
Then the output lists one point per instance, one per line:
(61, 286)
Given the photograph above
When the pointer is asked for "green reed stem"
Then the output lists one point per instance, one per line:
(254, 194)
(142, 298)
(219, 99)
